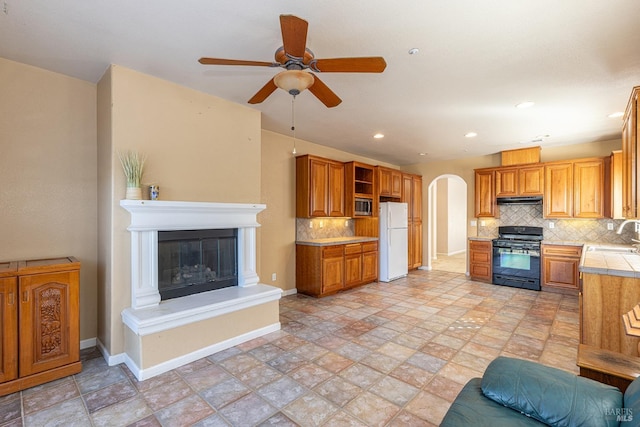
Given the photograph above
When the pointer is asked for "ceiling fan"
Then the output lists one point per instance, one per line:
(298, 61)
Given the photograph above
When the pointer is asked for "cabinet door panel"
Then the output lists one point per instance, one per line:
(49, 324)
(8, 329)
(332, 274)
(318, 187)
(352, 269)
(558, 190)
(485, 194)
(396, 184)
(588, 178)
(416, 244)
(506, 182)
(416, 206)
(560, 272)
(531, 181)
(369, 267)
(336, 189)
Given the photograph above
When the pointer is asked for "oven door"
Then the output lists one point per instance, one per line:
(516, 262)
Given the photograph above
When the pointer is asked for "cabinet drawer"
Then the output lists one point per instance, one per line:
(352, 248)
(568, 251)
(369, 246)
(332, 251)
(480, 257)
(479, 245)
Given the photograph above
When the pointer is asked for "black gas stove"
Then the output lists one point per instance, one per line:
(516, 257)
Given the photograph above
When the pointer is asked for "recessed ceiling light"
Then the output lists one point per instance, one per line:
(616, 115)
(378, 136)
(470, 135)
(525, 104)
(423, 154)
(414, 51)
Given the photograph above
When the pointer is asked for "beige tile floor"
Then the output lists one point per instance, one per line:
(386, 354)
(452, 263)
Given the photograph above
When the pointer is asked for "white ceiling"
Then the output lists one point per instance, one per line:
(576, 59)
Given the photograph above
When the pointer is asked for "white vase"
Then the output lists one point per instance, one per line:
(134, 193)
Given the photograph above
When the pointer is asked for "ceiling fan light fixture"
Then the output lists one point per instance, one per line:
(293, 81)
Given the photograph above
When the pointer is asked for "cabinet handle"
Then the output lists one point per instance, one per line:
(11, 298)
(25, 296)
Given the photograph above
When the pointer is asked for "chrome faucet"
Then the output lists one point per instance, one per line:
(636, 229)
(625, 222)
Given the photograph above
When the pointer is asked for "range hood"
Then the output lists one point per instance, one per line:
(520, 200)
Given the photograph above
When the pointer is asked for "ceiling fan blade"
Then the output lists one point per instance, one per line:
(323, 93)
(219, 61)
(294, 35)
(263, 93)
(373, 64)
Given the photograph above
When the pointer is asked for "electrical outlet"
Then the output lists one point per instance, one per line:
(552, 225)
(609, 226)
(310, 224)
(346, 223)
(474, 223)
(482, 223)
(321, 224)
(273, 277)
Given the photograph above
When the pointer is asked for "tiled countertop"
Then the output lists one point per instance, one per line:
(336, 241)
(609, 261)
(484, 239)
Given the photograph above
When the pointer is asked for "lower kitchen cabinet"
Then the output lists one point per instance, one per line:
(324, 270)
(560, 267)
(41, 323)
(480, 260)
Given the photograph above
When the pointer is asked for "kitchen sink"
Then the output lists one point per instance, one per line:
(613, 249)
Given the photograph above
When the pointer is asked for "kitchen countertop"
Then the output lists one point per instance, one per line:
(610, 259)
(336, 241)
(483, 239)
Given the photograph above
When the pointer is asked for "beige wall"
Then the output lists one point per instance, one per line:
(198, 148)
(278, 192)
(464, 168)
(48, 173)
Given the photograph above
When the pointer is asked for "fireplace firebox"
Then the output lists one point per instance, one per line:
(194, 261)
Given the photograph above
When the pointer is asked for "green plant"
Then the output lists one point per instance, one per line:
(132, 165)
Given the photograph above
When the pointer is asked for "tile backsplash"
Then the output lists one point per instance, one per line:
(580, 230)
(322, 228)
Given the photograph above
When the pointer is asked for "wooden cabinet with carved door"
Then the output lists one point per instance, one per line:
(9, 321)
(389, 183)
(484, 194)
(49, 322)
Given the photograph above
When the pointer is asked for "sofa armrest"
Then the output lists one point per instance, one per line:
(550, 395)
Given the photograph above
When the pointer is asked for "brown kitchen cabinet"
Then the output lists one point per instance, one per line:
(9, 317)
(480, 252)
(320, 187)
(603, 300)
(390, 182)
(520, 181)
(412, 195)
(630, 157)
(485, 193)
(560, 267)
(576, 189)
(47, 340)
(325, 270)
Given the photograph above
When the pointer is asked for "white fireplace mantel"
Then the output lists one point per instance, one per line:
(150, 216)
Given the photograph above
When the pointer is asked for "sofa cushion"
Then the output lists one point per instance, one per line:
(632, 402)
(550, 395)
(472, 408)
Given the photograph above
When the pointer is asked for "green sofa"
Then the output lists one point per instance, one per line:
(516, 392)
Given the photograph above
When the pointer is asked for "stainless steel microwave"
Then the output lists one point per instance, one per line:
(364, 207)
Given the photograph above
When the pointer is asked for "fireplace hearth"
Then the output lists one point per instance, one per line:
(194, 261)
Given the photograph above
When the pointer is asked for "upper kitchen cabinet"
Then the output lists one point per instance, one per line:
(558, 190)
(390, 182)
(485, 196)
(520, 181)
(576, 189)
(630, 157)
(360, 190)
(320, 185)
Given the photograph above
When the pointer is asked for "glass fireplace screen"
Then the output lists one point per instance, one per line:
(195, 261)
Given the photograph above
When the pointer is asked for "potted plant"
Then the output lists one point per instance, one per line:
(132, 165)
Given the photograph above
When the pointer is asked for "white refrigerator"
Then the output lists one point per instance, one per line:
(394, 246)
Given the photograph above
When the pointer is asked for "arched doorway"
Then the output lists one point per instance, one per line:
(447, 224)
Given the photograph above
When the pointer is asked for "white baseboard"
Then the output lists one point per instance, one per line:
(144, 374)
(289, 292)
(88, 343)
(111, 360)
(425, 267)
